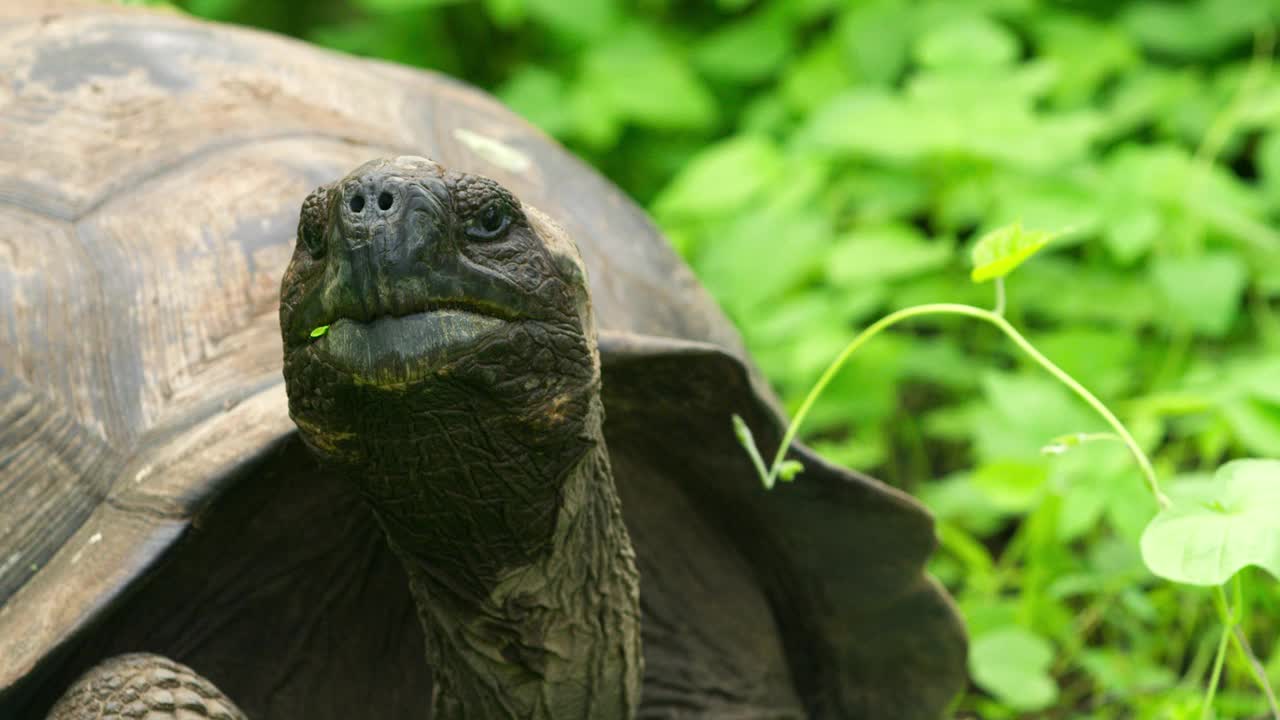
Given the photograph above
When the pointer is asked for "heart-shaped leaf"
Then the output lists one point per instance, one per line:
(1002, 250)
(1214, 529)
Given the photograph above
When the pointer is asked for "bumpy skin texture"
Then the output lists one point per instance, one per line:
(143, 687)
(458, 385)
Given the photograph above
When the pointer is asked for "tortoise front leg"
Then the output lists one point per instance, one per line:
(141, 686)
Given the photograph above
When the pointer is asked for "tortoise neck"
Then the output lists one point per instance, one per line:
(519, 624)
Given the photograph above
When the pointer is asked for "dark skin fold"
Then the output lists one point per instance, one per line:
(458, 387)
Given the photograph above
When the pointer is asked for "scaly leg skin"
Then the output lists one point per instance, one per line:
(143, 687)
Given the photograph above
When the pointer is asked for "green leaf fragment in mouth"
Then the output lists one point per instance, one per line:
(320, 331)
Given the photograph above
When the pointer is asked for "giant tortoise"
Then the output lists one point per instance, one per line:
(504, 496)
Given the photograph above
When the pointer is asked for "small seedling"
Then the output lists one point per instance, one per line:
(320, 331)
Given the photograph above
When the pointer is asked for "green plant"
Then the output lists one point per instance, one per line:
(1206, 537)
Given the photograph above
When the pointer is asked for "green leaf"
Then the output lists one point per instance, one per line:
(1021, 413)
(1216, 528)
(1203, 292)
(984, 114)
(1130, 508)
(955, 500)
(505, 13)
(722, 178)
(814, 77)
(1086, 53)
(1198, 29)
(320, 331)
(1126, 673)
(750, 271)
(1038, 201)
(1089, 293)
(1002, 250)
(866, 450)
(876, 124)
(944, 363)
(593, 117)
(1012, 486)
(539, 95)
(1255, 424)
(878, 254)
(873, 38)
(968, 41)
(580, 20)
(1130, 231)
(969, 550)
(1088, 480)
(395, 6)
(1100, 359)
(644, 79)
(1013, 664)
(747, 50)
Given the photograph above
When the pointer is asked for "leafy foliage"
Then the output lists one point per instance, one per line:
(1013, 665)
(1218, 527)
(821, 162)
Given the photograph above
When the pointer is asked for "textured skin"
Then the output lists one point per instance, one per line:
(144, 687)
(483, 458)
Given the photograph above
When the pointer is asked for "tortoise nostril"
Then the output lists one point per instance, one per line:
(384, 200)
(357, 203)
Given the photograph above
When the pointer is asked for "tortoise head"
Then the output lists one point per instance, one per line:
(457, 386)
(415, 292)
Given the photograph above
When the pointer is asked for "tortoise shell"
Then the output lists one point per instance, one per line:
(151, 172)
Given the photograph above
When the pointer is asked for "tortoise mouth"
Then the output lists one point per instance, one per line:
(392, 350)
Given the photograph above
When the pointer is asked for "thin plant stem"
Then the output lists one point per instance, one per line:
(1012, 333)
(744, 437)
(1206, 710)
(1000, 297)
(1228, 625)
(1241, 643)
(1200, 661)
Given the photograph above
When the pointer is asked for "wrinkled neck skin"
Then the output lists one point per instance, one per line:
(510, 530)
(557, 638)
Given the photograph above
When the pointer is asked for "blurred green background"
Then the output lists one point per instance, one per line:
(822, 162)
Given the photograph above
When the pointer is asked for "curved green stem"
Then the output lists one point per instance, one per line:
(1009, 330)
(1220, 601)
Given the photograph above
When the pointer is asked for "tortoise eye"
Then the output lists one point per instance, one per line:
(488, 224)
